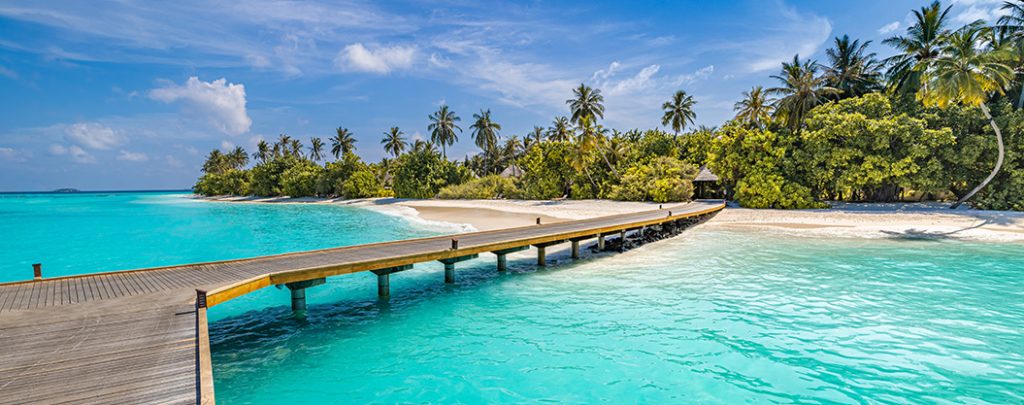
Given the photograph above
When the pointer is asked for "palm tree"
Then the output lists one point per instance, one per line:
(342, 143)
(586, 102)
(1011, 25)
(485, 130)
(262, 151)
(393, 141)
(282, 145)
(535, 137)
(316, 149)
(442, 128)
(296, 148)
(917, 48)
(560, 130)
(678, 111)
(237, 158)
(968, 72)
(852, 69)
(801, 90)
(215, 162)
(755, 109)
(422, 146)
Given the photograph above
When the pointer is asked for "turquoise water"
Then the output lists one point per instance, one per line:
(91, 232)
(710, 316)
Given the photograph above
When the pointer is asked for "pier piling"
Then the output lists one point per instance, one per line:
(37, 271)
(575, 249)
(600, 242)
(298, 290)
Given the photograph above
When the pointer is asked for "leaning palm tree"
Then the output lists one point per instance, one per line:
(851, 68)
(801, 90)
(968, 72)
(342, 143)
(678, 111)
(316, 149)
(393, 141)
(560, 130)
(442, 128)
(755, 109)
(283, 144)
(586, 102)
(917, 48)
(262, 151)
(485, 130)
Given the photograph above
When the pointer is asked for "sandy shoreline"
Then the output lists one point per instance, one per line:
(898, 221)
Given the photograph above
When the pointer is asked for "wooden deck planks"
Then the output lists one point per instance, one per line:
(129, 337)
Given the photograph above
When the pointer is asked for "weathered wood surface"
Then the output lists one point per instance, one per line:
(132, 337)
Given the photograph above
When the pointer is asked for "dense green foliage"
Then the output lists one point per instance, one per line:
(484, 188)
(421, 174)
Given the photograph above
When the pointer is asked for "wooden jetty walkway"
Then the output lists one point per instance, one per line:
(140, 336)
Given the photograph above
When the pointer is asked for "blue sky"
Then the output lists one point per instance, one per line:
(132, 94)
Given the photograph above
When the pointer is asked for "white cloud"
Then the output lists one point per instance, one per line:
(890, 27)
(381, 60)
(220, 102)
(980, 10)
(437, 60)
(604, 74)
(173, 161)
(93, 135)
(79, 155)
(14, 155)
(634, 83)
(783, 35)
(132, 156)
(699, 74)
(226, 146)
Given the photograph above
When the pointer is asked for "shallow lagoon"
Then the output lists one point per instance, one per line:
(713, 315)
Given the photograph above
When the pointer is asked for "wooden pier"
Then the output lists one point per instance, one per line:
(139, 336)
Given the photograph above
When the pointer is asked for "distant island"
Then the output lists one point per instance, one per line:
(66, 190)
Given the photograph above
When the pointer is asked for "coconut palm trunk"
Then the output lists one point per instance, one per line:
(999, 160)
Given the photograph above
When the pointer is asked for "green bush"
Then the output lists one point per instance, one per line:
(547, 173)
(267, 177)
(487, 187)
(664, 179)
(230, 182)
(300, 180)
(422, 174)
(363, 184)
(335, 174)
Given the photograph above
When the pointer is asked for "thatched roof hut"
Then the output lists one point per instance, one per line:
(512, 171)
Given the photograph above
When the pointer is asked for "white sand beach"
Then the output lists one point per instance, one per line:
(844, 220)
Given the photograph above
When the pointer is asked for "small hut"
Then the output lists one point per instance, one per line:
(512, 171)
(707, 184)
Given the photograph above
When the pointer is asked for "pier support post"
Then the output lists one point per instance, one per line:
(541, 256)
(600, 242)
(298, 289)
(37, 271)
(449, 273)
(503, 260)
(575, 249)
(622, 240)
(384, 279)
(449, 266)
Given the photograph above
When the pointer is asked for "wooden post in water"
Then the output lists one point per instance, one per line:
(502, 265)
(384, 285)
(298, 290)
(541, 259)
(37, 271)
(600, 242)
(575, 249)
(449, 273)
(622, 240)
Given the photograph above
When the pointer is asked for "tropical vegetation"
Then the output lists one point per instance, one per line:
(941, 120)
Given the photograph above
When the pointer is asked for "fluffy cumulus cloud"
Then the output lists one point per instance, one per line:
(220, 102)
(93, 135)
(379, 60)
(14, 155)
(132, 156)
